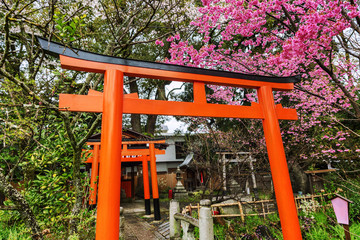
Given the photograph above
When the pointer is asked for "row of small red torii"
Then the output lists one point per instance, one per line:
(113, 104)
(130, 155)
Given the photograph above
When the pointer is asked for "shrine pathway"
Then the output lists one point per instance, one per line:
(137, 227)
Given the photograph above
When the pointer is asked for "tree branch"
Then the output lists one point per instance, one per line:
(91, 131)
(343, 89)
(323, 98)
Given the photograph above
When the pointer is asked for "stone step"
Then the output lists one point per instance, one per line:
(163, 231)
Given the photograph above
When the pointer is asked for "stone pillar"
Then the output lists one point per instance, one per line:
(174, 224)
(223, 158)
(206, 230)
(122, 224)
(188, 231)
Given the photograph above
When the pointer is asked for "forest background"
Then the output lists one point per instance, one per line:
(40, 152)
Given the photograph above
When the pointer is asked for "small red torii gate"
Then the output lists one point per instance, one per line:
(113, 103)
(144, 156)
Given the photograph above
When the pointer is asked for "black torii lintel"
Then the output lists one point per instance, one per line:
(54, 48)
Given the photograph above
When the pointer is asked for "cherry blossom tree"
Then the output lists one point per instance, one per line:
(315, 39)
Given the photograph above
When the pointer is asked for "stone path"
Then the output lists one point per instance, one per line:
(137, 228)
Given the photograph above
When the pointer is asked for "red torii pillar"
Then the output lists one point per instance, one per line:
(146, 187)
(113, 105)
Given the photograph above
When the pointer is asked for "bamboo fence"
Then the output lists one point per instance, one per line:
(259, 208)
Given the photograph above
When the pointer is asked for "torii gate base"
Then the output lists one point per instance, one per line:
(113, 104)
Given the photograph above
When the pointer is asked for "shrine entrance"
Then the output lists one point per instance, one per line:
(113, 104)
(133, 151)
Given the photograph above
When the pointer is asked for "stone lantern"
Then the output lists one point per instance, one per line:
(179, 190)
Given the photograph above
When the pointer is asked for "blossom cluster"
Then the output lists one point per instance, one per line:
(283, 38)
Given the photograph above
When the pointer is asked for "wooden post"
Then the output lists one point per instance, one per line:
(241, 212)
(154, 182)
(311, 184)
(347, 231)
(146, 186)
(94, 175)
(108, 210)
(132, 182)
(263, 209)
(313, 200)
(296, 204)
(198, 208)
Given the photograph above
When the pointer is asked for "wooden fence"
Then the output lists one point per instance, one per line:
(259, 208)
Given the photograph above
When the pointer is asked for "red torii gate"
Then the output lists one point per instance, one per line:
(113, 103)
(144, 156)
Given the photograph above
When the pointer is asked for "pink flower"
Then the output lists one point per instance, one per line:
(159, 42)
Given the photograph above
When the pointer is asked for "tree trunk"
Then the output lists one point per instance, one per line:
(78, 192)
(150, 124)
(151, 121)
(135, 118)
(22, 205)
(299, 178)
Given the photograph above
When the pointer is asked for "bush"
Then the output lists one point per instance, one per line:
(11, 229)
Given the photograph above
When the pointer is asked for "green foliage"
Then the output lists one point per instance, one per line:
(46, 173)
(220, 232)
(255, 227)
(69, 30)
(355, 229)
(50, 194)
(195, 214)
(86, 227)
(318, 233)
(349, 187)
(322, 224)
(329, 231)
(13, 233)
(10, 229)
(193, 197)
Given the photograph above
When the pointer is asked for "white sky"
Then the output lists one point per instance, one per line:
(173, 124)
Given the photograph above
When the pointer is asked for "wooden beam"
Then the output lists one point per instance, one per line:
(93, 103)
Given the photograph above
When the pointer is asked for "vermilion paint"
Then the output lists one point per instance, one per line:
(279, 168)
(108, 210)
(94, 175)
(113, 104)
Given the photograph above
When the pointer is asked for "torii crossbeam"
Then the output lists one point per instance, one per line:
(113, 104)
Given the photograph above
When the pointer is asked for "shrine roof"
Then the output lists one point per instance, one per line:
(127, 135)
(54, 48)
(132, 136)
